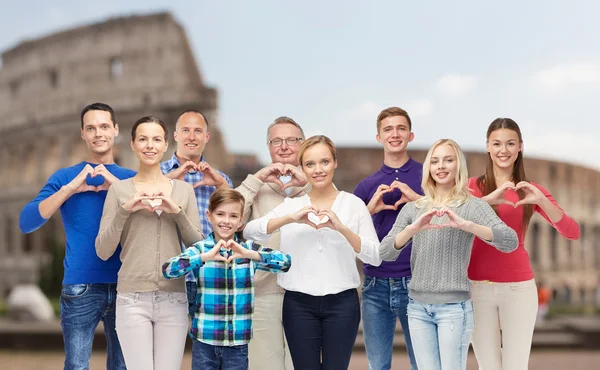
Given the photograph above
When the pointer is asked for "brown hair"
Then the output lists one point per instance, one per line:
(222, 196)
(314, 140)
(148, 119)
(392, 112)
(487, 182)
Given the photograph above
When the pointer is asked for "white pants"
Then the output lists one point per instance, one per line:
(268, 349)
(512, 308)
(152, 329)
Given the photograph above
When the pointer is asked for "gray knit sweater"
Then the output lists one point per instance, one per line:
(440, 257)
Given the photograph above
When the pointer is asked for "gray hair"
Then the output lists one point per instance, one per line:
(282, 120)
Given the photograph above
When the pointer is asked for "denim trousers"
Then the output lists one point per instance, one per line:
(82, 307)
(383, 300)
(209, 357)
(321, 330)
(441, 334)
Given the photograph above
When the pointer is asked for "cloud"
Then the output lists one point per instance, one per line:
(457, 84)
(419, 108)
(558, 77)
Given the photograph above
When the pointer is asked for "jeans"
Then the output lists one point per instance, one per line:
(191, 287)
(383, 300)
(209, 357)
(152, 328)
(321, 330)
(441, 334)
(82, 307)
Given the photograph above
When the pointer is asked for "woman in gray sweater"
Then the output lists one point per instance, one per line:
(442, 226)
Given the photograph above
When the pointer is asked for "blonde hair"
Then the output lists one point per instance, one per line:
(314, 140)
(460, 192)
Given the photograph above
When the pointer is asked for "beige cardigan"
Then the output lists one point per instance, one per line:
(147, 239)
(260, 198)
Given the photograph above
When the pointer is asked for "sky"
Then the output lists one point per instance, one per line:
(333, 65)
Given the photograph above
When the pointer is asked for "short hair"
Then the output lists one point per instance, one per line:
(148, 119)
(99, 106)
(192, 111)
(314, 140)
(283, 120)
(222, 196)
(393, 112)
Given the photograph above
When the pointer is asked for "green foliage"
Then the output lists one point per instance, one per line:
(51, 274)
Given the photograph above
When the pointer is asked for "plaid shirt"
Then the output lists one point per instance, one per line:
(203, 194)
(225, 299)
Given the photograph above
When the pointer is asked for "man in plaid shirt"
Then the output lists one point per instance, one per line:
(187, 164)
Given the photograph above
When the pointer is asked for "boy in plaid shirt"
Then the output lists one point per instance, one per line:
(224, 266)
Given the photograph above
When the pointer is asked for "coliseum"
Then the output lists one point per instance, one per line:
(144, 65)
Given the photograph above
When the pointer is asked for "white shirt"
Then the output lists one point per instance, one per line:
(323, 261)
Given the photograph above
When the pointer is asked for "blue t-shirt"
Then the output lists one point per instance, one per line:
(410, 174)
(81, 215)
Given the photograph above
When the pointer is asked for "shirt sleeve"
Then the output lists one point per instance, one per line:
(249, 189)
(504, 238)
(387, 251)
(30, 218)
(113, 220)
(257, 229)
(566, 226)
(189, 260)
(270, 260)
(369, 242)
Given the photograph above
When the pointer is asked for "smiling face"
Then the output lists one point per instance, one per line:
(99, 131)
(503, 146)
(149, 144)
(394, 134)
(225, 219)
(191, 135)
(319, 165)
(285, 153)
(443, 166)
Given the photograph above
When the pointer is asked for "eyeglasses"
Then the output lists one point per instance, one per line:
(288, 141)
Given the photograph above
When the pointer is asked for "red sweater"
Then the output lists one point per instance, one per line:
(488, 263)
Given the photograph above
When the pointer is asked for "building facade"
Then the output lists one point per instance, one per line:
(140, 65)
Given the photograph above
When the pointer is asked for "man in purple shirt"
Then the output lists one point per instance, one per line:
(385, 291)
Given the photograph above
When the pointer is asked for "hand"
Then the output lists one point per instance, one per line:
(496, 197)
(301, 216)
(423, 222)
(214, 254)
(298, 177)
(180, 172)
(408, 194)
(240, 252)
(78, 185)
(166, 205)
(109, 178)
(454, 221)
(533, 195)
(376, 204)
(137, 203)
(210, 177)
(332, 222)
(271, 173)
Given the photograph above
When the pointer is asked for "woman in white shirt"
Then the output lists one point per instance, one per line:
(323, 232)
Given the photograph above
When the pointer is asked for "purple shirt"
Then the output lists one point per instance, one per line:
(410, 174)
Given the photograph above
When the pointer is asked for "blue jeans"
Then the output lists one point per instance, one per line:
(382, 301)
(441, 334)
(191, 287)
(208, 357)
(321, 330)
(82, 307)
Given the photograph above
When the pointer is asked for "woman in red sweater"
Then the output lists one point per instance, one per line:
(504, 292)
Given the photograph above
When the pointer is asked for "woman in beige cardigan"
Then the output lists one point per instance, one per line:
(150, 216)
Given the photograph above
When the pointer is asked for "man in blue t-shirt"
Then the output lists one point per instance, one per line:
(385, 289)
(89, 284)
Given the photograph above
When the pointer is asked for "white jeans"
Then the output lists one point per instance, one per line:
(512, 308)
(152, 329)
(268, 349)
